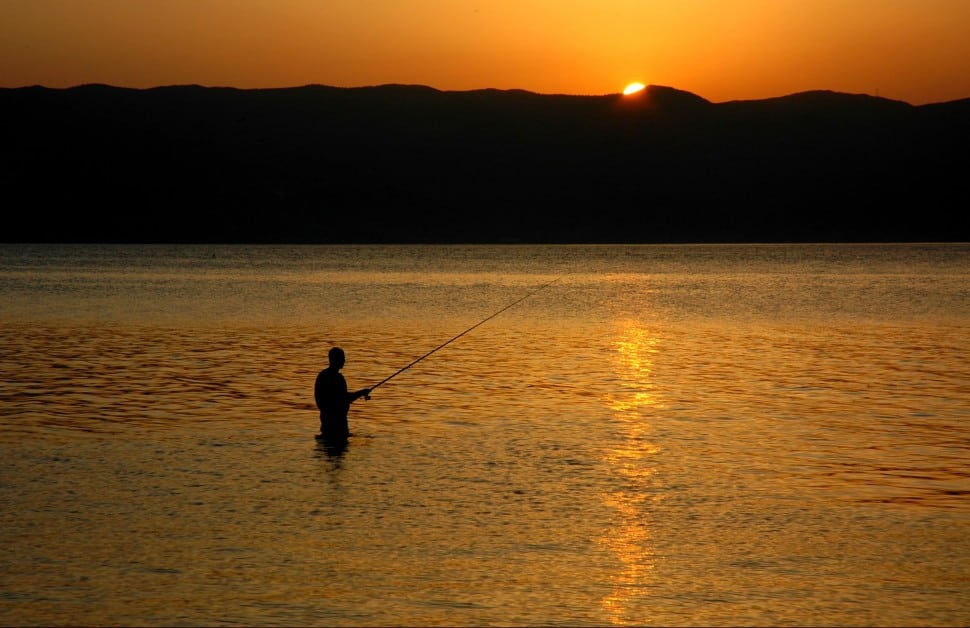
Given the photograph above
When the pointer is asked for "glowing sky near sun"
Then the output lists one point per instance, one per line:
(912, 50)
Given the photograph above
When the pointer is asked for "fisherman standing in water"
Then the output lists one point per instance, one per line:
(333, 400)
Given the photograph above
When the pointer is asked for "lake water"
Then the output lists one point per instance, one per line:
(664, 435)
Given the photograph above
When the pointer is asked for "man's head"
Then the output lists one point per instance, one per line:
(337, 358)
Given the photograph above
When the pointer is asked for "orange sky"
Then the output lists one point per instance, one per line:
(912, 50)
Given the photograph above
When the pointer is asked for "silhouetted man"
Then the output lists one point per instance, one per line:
(333, 400)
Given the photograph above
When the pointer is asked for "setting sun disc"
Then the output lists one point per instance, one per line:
(633, 88)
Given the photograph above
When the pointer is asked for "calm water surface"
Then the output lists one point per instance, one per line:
(665, 435)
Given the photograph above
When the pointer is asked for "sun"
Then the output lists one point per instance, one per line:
(633, 88)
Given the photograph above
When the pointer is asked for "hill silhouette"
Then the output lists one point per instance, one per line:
(405, 163)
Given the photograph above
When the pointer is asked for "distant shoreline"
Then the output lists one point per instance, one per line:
(413, 164)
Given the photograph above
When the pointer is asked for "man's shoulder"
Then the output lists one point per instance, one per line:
(329, 374)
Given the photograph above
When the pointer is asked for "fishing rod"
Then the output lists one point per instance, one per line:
(445, 344)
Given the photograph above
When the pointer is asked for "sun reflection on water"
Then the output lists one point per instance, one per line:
(633, 459)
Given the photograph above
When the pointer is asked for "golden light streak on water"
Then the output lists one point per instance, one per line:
(630, 537)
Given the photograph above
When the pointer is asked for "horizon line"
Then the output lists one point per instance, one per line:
(470, 90)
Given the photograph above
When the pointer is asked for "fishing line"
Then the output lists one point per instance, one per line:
(445, 344)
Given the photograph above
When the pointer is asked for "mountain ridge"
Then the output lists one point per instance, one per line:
(411, 163)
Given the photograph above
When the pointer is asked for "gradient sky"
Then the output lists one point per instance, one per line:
(912, 50)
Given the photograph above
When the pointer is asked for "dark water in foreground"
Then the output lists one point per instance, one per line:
(667, 435)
